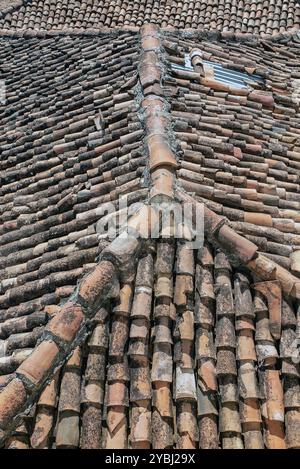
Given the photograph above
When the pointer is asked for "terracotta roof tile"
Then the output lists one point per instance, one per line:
(248, 18)
(174, 347)
(37, 366)
(11, 400)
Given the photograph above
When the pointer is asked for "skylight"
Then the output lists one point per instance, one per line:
(224, 75)
(232, 77)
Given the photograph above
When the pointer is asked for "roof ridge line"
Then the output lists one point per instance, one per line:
(45, 33)
(209, 34)
(220, 233)
(155, 107)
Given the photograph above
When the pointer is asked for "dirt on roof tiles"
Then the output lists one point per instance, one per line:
(244, 16)
(140, 342)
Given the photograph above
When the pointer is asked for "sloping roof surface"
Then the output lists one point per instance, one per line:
(70, 144)
(241, 146)
(189, 347)
(244, 16)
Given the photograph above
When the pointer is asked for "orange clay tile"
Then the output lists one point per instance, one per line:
(141, 423)
(95, 282)
(155, 89)
(152, 105)
(5, 379)
(155, 121)
(117, 394)
(125, 298)
(186, 327)
(207, 374)
(39, 363)
(208, 432)
(149, 74)
(274, 395)
(162, 399)
(48, 396)
(265, 99)
(272, 291)
(250, 411)
(160, 153)
(12, 399)
(214, 84)
(185, 260)
(164, 287)
(149, 43)
(66, 324)
(116, 418)
(295, 262)
(187, 361)
(244, 323)
(52, 310)
(263, 267)
(227, 22)
(212, 221)
(261, 219)
(245, 346)
(75, 359)
(163, 184)
(149, 30)
(292, 426)
(287, 280)
(183, 286)
(40, 438)
(232, 242)
(93, 393)
(237, 153)
(274, 435)
(144, 221)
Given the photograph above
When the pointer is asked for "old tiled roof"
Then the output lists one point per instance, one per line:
(240, 16)
(248, 138)
(158, 345)
(70, 148)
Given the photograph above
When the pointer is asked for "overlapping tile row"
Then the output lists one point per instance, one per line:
(242, 16)
(240, 146)
(185, 391)
(139, 349)
(185, 356)
(115, 430)
(162, 362)
(70, 149)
